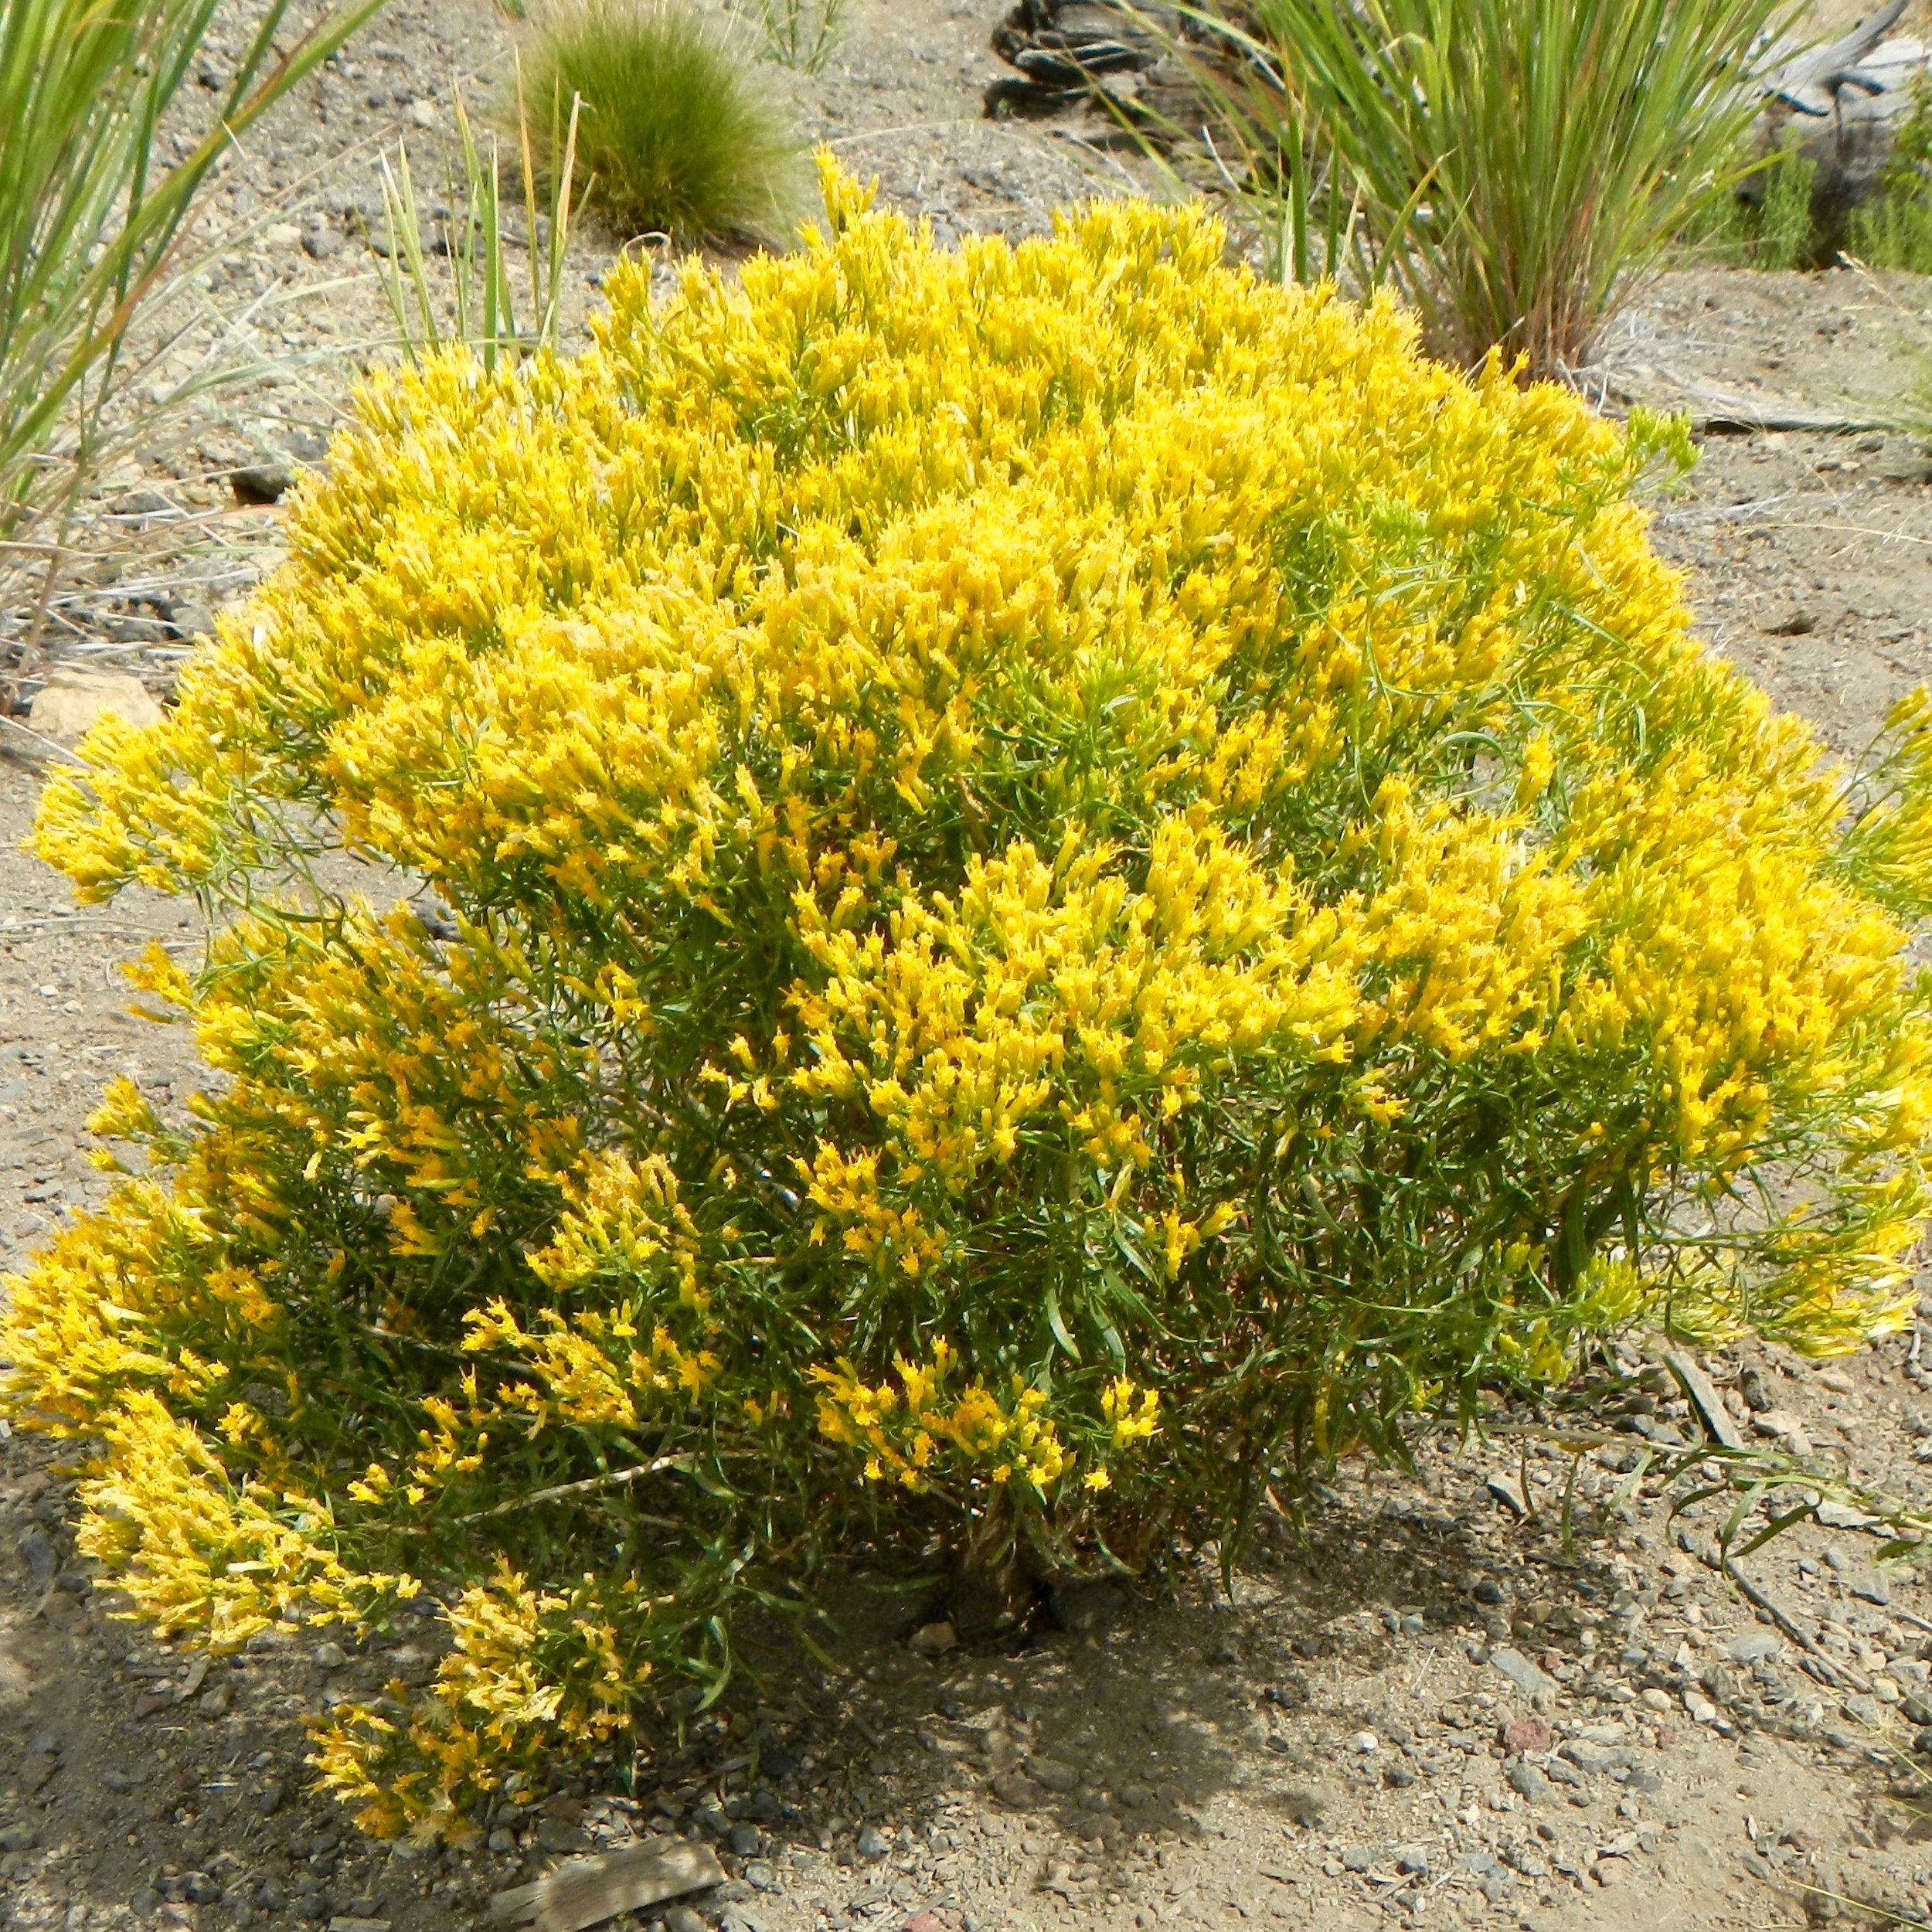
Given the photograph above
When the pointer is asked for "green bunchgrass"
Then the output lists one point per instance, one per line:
(1512, 169)
(94, 221)
(675, 135)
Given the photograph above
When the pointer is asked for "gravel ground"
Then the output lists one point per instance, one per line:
(1427, 1705)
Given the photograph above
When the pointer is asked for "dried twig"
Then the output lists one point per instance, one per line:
(1834, 1673)
(583, 1487)
(582, 1891)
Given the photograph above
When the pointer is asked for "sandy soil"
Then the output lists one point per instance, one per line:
(1430, 1708)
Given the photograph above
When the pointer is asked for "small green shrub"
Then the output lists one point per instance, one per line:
(1771, 228)
(1512, 169)
(1786, 236)
(1894, 229)
(1046, 885)
(676, 135)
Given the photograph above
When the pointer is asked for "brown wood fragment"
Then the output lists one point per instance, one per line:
(583, 1891)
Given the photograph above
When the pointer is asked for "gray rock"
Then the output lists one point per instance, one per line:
(330, 1656)
(1412, 1861)
(760, 1877)
(191, 621)
(1839, 1515)
(1873, 1587)
(1357, 1860)
(1599, 1759)
(1865, 1710)
(1506, 1490)
(37, 1551)
(1754, 1647)
(872, 1843)
(261, 483)
(1526, 1676)
(934, 1640)
(268, 1800)
(19, 1838)
(321, 244)
(682, 1918)
(746, 1841)
(559, 1834)
(1527, 1781)
(1053, 1774)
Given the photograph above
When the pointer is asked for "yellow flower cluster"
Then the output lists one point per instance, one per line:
(1055, 797)
(901, 1431)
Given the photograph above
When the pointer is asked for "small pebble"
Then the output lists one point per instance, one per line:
(1526, 1734)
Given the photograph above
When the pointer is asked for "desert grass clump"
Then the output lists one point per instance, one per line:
(1512, 169)
(802, 34)
(676, 134)
(1039, 886)
(483, 297)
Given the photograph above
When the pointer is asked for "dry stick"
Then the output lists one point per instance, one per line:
(583, 1487)
(53, 748)
(1835, 1673)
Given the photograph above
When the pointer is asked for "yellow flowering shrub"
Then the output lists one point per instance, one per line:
(1028, 886)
